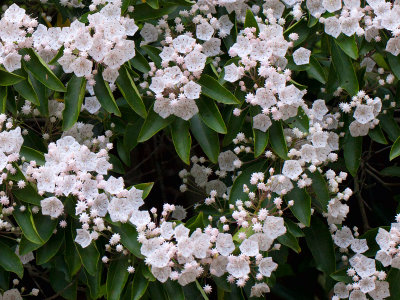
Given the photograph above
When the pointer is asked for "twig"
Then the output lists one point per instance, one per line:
(360, 201)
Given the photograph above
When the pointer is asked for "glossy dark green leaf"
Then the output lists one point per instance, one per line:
(27, 225)
(71, 255)
(352, 149)
(139, 285)
(181, 139)
(3, 99)
(42, 72)
(377, 135)
(394, 63)
(395, 150)
(389, 125)
(207, 139)
(234, 126)
(320, 189)
(153, 53)
(341, 275)
(153, 124)
(210, 114)
(25, 88)
(290, 241)
(129, 238)
(316, 71)
(104, 95)
(10, 261)
(195, 222)
(117, 276)
(89, 257)
(173, 290)
(213, 89)
(123, 153)
(32, 154)
(348, 45)
(260, 141)
(244, 178)
(145, 187)
(205, 297)
(320, 243)
(7, 78)
(41, 92)
(131, 134)
(144, 12)
(391, 171)
(50, 249)
(250, 21)
(73, 101)
(302, 205)
(394, 286)
(344, 69)
(153, 4)
(130, 92)
(277, 140)
(94, 282)
(140, 63)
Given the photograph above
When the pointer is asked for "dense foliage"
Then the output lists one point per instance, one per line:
(230, 149)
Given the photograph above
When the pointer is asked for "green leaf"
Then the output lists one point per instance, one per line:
(139, 285)
(234, 126)
(205, 297)
(344, 69)
(207, 139)
(42, 72)
(145, 187)
(50, 249)
(395, 150)
(153, 53)
(41, 92)
(94, 282)
(117, 276)
(132, 133)
(377, 135)
(293, 228)
(153, 4)
(153, 124)
(244, 178)
(260, 141)
(352, 149)
(129, 238)
(348, 45)
(118, 167)
(389, 125)
(302, 205)
(320, 189)
(320, 243)
(105, 95)
(181, 139)
(27, 225)
(140, 63)
(25, 88)
(277, 140)
(394, 63)
(213, 89)
(391, 171)
(71, 255)
(173, 290)
(290, 241)
(32, 154)
(3, 99)
(10, 261)
(89, 257)
(130, 92)
(316, 71)
(123, 152)
(210, 115)
(341, 275)
(195, 222)
(73, 101)
(144, 12)
(250, 21)
(394, 279)
(7, 78)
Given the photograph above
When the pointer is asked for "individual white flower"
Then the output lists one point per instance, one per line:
(162, 274)
(359, 245)
(249, 247)
(332, 5)
(232, 73)
(340, 290)
(381, 290)
(12, 62)
(12, 294)
(301, 56)
(226, 159)
(195, 61)
(259, 289)
(83, 237)
(343, 237)
(82, 67)
(225, 244)
(332, 26)
(149, 33)
(238, 266)
(218, 265)
(364, 113)
(204, 31)
(367, 284)
(274, 227)
(292, 169)
(179, 213)
(357, 295)
(267, 266)
(192, 90)
(261, 122)
(383, 239)
(52, 207)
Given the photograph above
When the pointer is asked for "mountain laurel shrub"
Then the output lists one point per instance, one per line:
(284, 114)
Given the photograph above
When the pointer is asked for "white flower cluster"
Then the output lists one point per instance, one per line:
(388, 241)
(366, 111)
(102, 41)
(365, 277)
